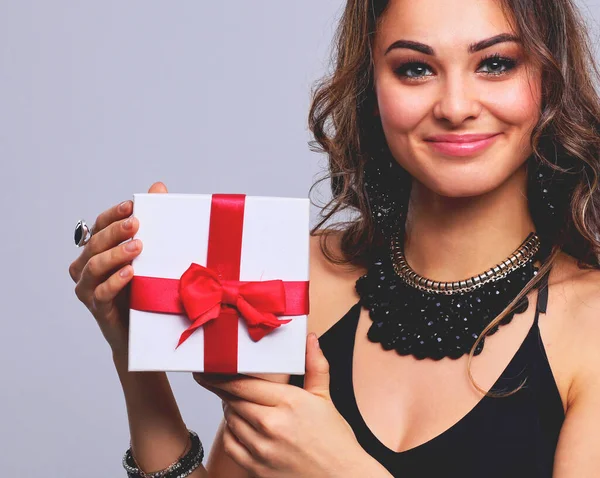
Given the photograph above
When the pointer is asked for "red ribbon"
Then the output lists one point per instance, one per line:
(212, 296)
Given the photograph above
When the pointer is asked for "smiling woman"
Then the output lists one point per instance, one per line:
(458, 309)
(464, 137)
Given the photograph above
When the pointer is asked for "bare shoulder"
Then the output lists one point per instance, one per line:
(332, 291)
(575, 296)
(577, 290)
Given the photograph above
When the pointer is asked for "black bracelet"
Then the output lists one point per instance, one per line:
(180, 469)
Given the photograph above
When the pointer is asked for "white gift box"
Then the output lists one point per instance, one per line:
(174, 230)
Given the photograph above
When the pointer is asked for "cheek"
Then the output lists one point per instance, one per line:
(516, 104)
(400, 110)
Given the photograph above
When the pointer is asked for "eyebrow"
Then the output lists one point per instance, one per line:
(473, 47)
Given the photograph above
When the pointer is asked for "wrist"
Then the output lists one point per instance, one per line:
(120, 357)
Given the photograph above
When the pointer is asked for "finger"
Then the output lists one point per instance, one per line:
(238, 452)
(118, 211)
(98, 243)
(251, 412)
(256, 390)
(100, 266)
(105, 293)
(246, 434)
(158, 187)
(205, 377)
(256, 415)
(219, 393)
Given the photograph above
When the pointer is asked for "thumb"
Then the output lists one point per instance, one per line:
(158, 188)
(316, 378)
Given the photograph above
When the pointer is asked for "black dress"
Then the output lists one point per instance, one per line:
(507, 437)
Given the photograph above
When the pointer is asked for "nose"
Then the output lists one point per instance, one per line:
(458, 100)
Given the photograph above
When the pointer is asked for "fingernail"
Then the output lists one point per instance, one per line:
(127, 224)
(123, 206)
(125, 272)
(131, 245)
(315, 340)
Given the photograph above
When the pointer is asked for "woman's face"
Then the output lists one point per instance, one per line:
(434, 77)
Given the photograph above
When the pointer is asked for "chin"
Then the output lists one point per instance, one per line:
(465, 177)
(461, 189)
(464, 182)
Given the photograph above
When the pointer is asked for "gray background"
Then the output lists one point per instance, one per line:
(97, 101)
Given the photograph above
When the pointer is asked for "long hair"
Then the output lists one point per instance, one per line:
(565, 140)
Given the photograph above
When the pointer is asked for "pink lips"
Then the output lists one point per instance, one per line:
(461, 144)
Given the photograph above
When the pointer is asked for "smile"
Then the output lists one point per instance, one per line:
(463, 148)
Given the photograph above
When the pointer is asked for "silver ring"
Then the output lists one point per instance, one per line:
(83, 233)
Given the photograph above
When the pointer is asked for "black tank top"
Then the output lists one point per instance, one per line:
(507, 437)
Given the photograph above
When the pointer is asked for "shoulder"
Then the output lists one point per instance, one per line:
(332, 291)
(576, 293)
(575, 297)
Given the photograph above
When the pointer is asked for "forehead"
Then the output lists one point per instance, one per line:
(442, 23)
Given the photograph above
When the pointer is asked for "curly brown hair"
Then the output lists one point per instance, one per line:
(565, 139)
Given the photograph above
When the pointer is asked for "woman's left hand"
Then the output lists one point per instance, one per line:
(280, 430)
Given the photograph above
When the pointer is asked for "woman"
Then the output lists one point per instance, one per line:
(464, 135)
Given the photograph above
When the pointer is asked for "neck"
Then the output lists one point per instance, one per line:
(449, 239)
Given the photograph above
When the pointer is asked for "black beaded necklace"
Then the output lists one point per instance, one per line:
(425, 324)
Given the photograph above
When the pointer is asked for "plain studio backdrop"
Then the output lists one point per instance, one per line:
(97, 101)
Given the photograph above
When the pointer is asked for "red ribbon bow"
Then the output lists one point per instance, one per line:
(203, 295)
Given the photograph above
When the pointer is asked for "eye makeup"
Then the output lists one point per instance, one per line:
(491, 61)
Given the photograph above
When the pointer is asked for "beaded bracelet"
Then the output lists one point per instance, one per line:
(162, 473)
(184, 466)
(180, 469)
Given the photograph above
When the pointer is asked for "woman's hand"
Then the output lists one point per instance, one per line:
(103, 269)
(280, 430)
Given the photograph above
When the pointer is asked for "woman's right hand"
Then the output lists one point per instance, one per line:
(103, 270)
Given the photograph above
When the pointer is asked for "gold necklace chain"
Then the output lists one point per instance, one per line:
(517, 259)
